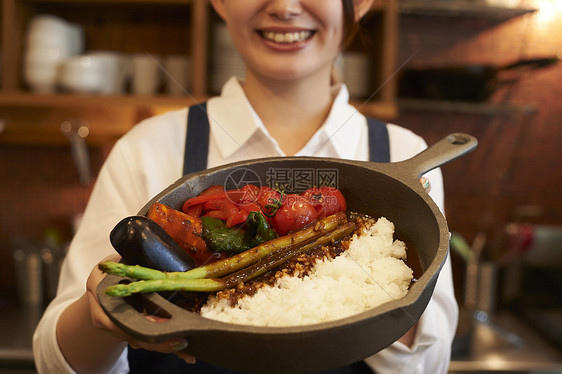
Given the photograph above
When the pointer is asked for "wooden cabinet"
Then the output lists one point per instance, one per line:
(162, 27)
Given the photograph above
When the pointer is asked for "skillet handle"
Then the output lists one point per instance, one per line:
(447, 149)
(130, 320)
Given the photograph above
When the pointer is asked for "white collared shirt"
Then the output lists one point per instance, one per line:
(150, 157)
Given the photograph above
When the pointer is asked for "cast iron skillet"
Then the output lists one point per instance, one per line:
(391, 190)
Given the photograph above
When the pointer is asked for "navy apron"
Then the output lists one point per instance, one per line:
(195, 159)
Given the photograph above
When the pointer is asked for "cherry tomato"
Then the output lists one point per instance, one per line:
(326, 200)
(295, 213)
(269, 199)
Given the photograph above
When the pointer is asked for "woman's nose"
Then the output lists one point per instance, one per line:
(284, 9)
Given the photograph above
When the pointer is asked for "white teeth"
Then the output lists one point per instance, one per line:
(289, 37)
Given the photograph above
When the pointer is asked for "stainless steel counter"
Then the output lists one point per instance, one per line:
(17, 325)
(489, 350)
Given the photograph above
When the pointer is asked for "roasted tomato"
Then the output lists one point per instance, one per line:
(326, 200)
(295, 213)
(247, 194)
(194, 206)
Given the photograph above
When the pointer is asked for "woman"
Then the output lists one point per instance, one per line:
(286, 105)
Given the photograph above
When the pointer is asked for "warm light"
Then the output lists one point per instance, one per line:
(496, 362)
(548, 10)
(83, 131)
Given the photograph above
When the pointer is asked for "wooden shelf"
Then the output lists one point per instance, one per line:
(468, 8)
(34, 119)
(25, 99)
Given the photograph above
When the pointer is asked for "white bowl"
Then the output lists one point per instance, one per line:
(45, 55)
(82, 74)
(99, 72)
(41, 78)
(40, 65)
(48, 23)
(54, 31)
(117, 69)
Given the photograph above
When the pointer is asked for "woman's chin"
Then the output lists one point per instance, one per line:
(291, 73)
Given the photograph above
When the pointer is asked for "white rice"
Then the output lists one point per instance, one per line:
(370, 273)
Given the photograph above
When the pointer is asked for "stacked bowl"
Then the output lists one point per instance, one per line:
(96, 72)
(49, 40)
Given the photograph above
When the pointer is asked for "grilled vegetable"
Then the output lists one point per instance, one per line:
(222, 238)
(254, 231)
(258, 227)
(285, 212)
(241, 260)
(326, 200)
(142, 241)
(186, 230)
(163, 282)
(294, 213)
(278, 258)
(234, 263)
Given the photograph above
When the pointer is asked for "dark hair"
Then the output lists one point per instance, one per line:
(350, 26)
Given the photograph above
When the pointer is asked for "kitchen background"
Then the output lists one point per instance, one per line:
(503, 200)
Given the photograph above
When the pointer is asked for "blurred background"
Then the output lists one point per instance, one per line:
(485, 67)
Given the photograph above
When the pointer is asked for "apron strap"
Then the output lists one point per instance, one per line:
(379, 144)
(196, 139)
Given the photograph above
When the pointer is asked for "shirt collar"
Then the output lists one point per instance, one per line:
(338, 136)
(231, 104)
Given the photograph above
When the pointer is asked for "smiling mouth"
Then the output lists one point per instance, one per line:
(286, 37)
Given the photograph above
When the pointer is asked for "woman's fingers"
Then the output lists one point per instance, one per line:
(97, 314)
(169, 346)
(189, 359)
(425, 184)
(103, 322)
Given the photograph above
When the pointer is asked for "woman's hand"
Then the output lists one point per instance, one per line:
(91, 342)
(101, 321)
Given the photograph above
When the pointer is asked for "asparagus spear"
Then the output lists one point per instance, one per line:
(134, 271)
(246, 258)
(170, 284)
(231, 264)
(280, 257)
(217, 284)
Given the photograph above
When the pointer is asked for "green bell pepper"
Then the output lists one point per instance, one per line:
(254, 231)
